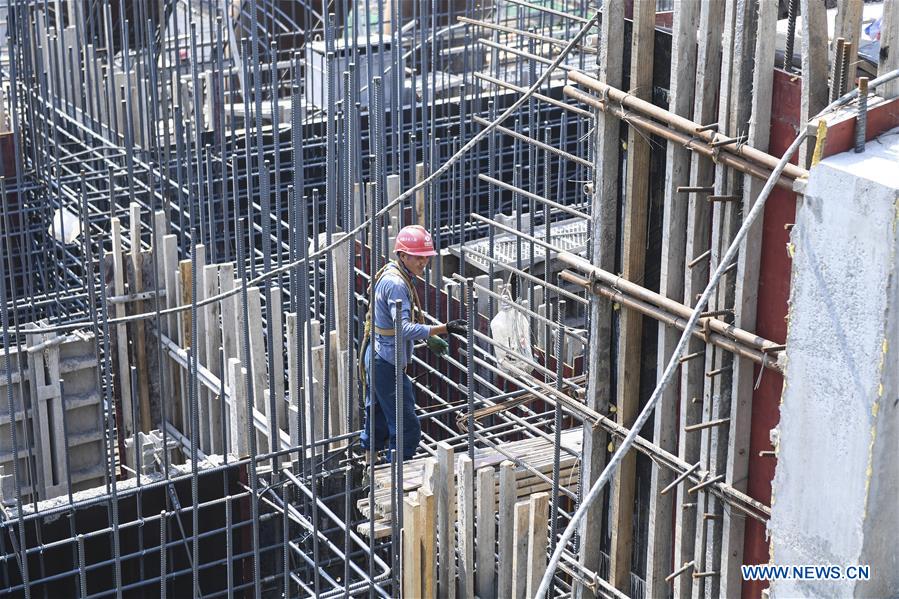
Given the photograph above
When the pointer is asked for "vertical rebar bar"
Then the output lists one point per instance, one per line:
(861, 119)
(399, 439)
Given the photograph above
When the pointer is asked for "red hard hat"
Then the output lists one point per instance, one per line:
(415, 240)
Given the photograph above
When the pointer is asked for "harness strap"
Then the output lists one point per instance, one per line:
(417, 315)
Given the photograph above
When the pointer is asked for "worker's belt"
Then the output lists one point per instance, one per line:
(384, 332)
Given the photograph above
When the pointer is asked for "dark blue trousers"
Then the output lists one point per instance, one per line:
(383, 407)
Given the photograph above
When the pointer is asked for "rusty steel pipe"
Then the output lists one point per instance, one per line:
(674, 320)
(724, 154)
(682, 124)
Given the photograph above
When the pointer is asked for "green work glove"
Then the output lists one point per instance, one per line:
(437, 345)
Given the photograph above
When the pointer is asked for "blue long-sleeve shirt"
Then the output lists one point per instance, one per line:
(389, 288)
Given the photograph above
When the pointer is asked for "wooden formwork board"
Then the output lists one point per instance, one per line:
(536, 453)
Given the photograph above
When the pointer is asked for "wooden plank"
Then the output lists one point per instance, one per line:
(213, 339)
(508, 494)
(636, 205)
(486, 531)
(521, 521)
(674, 238)
(140, 342)
(702, 173)
(339, 274)
(56, 408)
(40, 417)
(889, 48)
(465, 524)
(392, 190)
(185, 318)
(124, 366)
(314, 398)
(538, 525)
(420, 175)
(170, 326)
(814, 69)
(734, 110)
(446, 511)
(411, 552)
(203, 394)
(259, 375)
(849, 27)
(160, 230)
(428, 519)
(228, 308)
(237, 384)
(294, 386)
(746, 299)
(276, 360)
(336, 407)
(604, 231)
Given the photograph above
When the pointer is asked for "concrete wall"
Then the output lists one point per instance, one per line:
(836, 488)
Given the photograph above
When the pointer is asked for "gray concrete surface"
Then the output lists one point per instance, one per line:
(836, 488)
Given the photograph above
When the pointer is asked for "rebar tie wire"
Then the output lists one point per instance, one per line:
(673, 363)
(351, 234)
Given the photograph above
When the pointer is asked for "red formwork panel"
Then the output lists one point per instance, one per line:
(773, 293)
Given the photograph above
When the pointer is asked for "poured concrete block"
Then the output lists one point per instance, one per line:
(837, 478)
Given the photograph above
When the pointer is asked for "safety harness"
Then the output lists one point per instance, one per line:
(417, 314)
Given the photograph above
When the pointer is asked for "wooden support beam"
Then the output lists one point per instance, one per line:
(294, 386)
(734, 96)
(538, 526)
(276, 360)
(427, 514)
(185, 320)
(257, 361)
(314, 397)
(393, 190)
(636, 206)
(814, 70)
(237, 383)
(420, 175)
(604, 229)
(124, 365)
(486, 531)
(339, 276)
(745, 302)
(203, 394)
(521, 521)
(508, 495)
(213, 339)
(411, 553)
(849, 27)
(702, 173)
(228, 309)
(160, 230)
(889, 48)
(465, 524)
(674, 239)
(140, 337)
(445, 489)
(428, 520)
(40, 421)
(336, 406)
(170, 328)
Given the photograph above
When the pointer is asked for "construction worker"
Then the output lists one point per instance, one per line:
(414, 249)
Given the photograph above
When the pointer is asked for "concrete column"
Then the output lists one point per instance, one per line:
(837, 478)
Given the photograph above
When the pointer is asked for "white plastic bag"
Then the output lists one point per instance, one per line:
(511, 330)
(66, 227)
